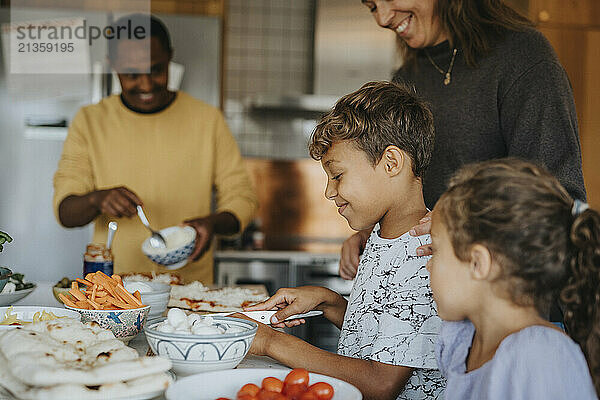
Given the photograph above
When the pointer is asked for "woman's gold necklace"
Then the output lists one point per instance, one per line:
(447, 74)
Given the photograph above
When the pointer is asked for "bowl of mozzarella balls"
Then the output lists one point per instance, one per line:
(197, 343)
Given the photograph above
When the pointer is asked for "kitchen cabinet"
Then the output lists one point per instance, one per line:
(573, 29)
(195, 7)
(294, 212)
(578, 52)
(582, 13)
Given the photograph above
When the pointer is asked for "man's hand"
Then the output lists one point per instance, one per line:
(423, 228)
(4, 238)
(79, 210)
(291, 301)
(223, 223)
(351, 251)
(264, 335)
(205, 229)
(115, 202)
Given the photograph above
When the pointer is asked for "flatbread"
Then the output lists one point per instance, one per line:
(168, 278)
(197, 297)
(67, 359)
(114, 390)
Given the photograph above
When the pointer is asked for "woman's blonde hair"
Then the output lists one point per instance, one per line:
(523, 215)
(473, 26)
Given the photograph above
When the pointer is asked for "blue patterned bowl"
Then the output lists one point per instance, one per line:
(172, 258)
(124, 324)
(197, 353)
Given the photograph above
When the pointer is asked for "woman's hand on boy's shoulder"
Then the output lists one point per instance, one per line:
(291, 301)
(423, 228)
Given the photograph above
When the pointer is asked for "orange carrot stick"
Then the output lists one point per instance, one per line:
(66, 300)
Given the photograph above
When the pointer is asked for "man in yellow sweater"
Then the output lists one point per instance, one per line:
(152, 147)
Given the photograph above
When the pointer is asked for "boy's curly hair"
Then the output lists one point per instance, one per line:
(523, 215)
(378, 115)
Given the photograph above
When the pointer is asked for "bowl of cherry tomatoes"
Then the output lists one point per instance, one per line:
(262, 384)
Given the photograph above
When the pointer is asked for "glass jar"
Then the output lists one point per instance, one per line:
(97, 258)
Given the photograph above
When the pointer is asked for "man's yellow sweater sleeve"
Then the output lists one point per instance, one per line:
(74, 173)
(235, 193)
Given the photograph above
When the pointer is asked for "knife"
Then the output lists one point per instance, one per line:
(265, 316)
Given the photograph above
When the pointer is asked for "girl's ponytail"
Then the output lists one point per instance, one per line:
(581, 295)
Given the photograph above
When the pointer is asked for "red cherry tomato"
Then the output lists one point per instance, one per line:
(323, 391)
(266, 395)
(250, 389)
(222, 398)
(297, 376)
(293, 392)
(246, 397)
(308, 396)
(272, 385)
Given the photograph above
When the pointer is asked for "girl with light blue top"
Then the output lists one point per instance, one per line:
(506, 239)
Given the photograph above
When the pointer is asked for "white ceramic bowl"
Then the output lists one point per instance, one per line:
(157, 297)
(180, 245)
(26, 313)
(6, 272)
(124, 324)
(7, 299)
(197, 353)
(213, 385)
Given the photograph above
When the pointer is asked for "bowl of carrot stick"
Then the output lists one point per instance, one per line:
(103, 299)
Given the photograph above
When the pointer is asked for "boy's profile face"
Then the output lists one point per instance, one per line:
(355, 185)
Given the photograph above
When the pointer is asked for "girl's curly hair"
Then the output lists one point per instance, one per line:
(523, 215)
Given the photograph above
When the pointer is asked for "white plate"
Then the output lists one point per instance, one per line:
(7, 299)
(226, 383)
(26, 313)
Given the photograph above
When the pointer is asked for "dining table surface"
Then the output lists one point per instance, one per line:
(42, 296)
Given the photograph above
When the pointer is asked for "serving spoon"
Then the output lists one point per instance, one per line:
(157, 240)
(112, 228)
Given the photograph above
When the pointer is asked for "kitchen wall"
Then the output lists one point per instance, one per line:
(278, 52)
(269, 50)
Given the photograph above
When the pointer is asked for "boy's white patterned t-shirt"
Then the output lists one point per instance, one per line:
(391, 316)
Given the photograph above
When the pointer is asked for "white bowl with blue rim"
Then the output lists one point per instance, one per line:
(124, 324)
(154, 294)
(180, 245)
(191, 354)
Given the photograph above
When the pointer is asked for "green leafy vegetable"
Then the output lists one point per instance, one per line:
(4, 238)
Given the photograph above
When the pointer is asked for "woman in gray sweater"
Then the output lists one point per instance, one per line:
(496, 89)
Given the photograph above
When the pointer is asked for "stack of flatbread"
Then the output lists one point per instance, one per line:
(197, 297)
(66, 359)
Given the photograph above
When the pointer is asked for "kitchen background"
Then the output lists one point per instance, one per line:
(273, 66)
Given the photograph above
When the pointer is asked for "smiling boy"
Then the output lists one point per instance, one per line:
(374, 147)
